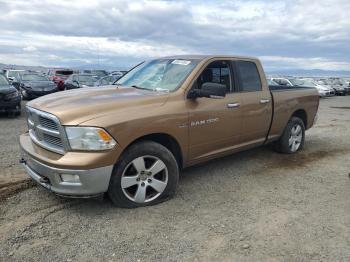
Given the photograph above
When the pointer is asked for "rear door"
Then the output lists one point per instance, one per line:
(214, 124)
(256, 102)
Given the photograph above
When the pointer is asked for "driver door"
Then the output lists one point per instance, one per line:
(214, 124)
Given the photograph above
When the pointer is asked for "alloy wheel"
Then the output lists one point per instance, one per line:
(295, 137)
(144, 179)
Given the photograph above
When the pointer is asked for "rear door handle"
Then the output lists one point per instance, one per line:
(233, 105)
(264, 101)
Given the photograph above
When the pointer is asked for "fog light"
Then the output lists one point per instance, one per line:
(70, 178)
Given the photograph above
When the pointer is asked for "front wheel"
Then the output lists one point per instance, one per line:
(146, 174)
(293, 137)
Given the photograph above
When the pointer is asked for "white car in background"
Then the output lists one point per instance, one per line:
(323, 90)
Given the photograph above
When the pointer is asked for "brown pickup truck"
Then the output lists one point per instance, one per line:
(131, 139)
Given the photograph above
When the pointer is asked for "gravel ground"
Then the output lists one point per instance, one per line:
(253, 206)
(10, 129)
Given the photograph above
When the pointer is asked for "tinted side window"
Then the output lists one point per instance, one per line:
(249, 76)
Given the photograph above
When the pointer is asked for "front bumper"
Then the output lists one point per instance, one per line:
(10, 104)
(92, 180)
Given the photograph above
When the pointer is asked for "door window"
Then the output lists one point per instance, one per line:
(249, 76)
(216, 72)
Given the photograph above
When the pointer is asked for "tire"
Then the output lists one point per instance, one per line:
(292, 140)
(132, 182)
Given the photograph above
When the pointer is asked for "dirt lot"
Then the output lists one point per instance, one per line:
(253, 206)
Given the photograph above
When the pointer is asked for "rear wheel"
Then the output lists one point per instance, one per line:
(293, 137)
(146, 174)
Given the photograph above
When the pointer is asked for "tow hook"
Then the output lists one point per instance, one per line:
(44, 180)
(22, 161)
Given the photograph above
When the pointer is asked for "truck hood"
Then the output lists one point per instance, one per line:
(76, 106)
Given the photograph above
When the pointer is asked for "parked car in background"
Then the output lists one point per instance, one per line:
(339, 90)
(323, 90)
(107, 80)
(339, 83)
(272, 83)
(118, 73)
(10, 98)
(59, 76)
(286, 81)
(34, 85)
(347, 81)
(97, 73)
(79, 81)
(13, 75)
(281, 81)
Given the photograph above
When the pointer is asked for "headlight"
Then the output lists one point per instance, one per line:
(89, 138)
(12, 95)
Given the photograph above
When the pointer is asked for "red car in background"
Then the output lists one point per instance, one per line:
(58, 76)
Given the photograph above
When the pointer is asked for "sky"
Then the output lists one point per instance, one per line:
(300, 34)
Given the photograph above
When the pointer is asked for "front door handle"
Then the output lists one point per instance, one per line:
(233, 105)
(264, 101)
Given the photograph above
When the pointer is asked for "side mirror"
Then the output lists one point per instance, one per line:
(209, 90)
(11, 79)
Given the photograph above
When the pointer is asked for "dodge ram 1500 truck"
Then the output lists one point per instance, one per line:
(131, 139)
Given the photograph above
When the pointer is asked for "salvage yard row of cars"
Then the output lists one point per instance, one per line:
(325, 86)
(16, 85)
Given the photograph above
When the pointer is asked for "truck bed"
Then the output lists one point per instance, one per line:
(288, 100)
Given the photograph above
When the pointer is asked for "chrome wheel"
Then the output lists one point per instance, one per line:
(144, 179)
(295, 138)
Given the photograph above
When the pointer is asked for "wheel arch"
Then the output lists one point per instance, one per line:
(165, 140)
(301, 113)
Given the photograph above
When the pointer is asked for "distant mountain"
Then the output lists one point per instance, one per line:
(312, 72)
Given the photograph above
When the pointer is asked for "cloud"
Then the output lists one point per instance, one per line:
(315, 33)
(30, 48)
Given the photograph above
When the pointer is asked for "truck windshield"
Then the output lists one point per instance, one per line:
(159, 74)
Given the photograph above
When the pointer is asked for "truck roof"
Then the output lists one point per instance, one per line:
(206, 57)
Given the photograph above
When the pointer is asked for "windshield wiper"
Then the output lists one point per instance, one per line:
(157, 89)
(139, 87)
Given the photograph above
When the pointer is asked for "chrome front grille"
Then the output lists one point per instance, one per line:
(46, 131)
(53, 140)
(49, 123)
